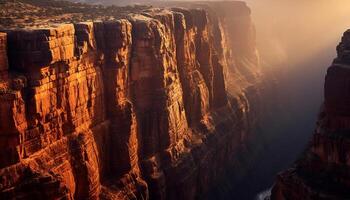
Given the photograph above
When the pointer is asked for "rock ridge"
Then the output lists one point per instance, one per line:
(154, 105)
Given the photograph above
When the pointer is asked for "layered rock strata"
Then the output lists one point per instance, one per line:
(154, 105)
(324, 170)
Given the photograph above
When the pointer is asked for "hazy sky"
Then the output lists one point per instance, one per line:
(297, 29)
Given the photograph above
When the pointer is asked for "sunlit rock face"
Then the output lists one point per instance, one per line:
(323, 172)
(156, 105)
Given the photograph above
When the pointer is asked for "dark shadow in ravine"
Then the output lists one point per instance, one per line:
(297, 41)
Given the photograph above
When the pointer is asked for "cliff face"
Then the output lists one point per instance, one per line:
(154, 105)
(323, 171)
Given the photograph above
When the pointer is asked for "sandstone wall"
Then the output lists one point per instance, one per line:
(3, 53)
(156, 105)
(323, 172)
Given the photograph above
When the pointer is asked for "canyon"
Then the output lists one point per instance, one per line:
(173, 100)
(159, 103)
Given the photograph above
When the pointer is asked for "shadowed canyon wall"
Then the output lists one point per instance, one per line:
(296, 41)
(156, 105)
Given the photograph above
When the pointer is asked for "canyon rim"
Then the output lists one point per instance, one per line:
(156, 103)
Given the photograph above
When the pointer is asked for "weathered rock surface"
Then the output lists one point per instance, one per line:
(324, 170)
(3, 53)
(155, 105)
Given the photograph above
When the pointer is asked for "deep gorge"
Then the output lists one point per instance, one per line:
(174, 100)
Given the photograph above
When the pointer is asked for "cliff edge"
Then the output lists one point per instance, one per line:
(154, 104)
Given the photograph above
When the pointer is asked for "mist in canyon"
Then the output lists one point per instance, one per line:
(296, 41)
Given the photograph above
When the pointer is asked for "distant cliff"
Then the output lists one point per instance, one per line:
(323, 172)
(157, 104)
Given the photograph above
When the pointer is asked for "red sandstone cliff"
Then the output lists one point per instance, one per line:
(324, 170)
(155, 105)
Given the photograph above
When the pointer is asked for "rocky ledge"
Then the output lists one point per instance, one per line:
(324, 170)
(156, 104)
